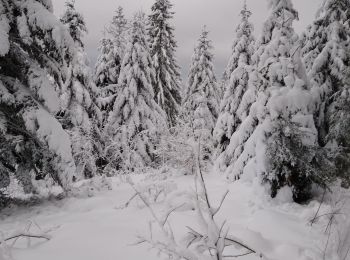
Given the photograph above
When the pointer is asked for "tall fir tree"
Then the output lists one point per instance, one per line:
(118, 30)
(136, 119)
(107, 69)
(233, 108)
(34, 56)
(201, 103)
(75, 22)
(163, 48)
(81, 114)
(278, 139)
(326, 50)
(106, 72)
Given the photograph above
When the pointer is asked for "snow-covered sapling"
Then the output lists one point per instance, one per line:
(207, 244)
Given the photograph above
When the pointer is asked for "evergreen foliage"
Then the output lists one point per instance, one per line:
(234, 108)
(326, 50)
(136, 120)
(118, 30)
(201, 103)
(81, 115)
(75, 22)
(107, 68)
(35, 50)
(281, 100)
(163, 46)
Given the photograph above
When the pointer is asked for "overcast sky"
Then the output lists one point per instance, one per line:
(221, 17)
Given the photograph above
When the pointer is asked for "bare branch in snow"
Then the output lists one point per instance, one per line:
(207, 244)
(28, 235)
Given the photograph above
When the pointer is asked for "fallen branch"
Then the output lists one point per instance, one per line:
(27, 235)
(236, 256)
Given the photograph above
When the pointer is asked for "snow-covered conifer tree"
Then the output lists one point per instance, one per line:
(107, 70)
(326, 54)
(118, 30)
(81, 115)
(163, 47)
(201, 103)
(75, 22)
(136, 120)
(33, 66)
(282, 111)
(234, 108)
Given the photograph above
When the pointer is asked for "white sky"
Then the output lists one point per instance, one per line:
(221, 17)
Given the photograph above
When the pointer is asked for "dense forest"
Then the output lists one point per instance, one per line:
(278, 118)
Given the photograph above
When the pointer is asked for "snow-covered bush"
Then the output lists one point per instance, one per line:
(89, 188)
(175, 148)
(177, 144)
(293, 163)
(209, 242)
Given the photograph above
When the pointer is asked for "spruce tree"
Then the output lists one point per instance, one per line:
(201, 103)
(163, 46)
(118, 31)
(326, 50)
(75, 22)
(107, 70)
(34, 53)
(81, 115)
(278, 139)
(234, 108)
(136, 119)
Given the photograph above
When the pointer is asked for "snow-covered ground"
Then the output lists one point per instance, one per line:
(100, 227)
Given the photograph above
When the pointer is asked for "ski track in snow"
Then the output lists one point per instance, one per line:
(95, 228)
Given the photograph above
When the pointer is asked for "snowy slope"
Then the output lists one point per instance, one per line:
(99, 228)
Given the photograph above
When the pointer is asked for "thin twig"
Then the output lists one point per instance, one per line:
(221, 203)
(240, 244)
(319, 207)
(129, 201)
(330, 214)
(171, 211)
(236, 256)
(28, 235)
